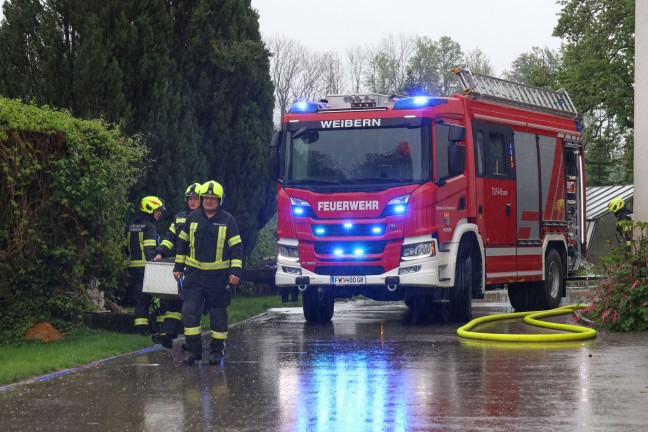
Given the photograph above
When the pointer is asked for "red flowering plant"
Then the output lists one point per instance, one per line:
(619, 302)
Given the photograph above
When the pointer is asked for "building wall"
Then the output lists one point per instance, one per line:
(641, 112)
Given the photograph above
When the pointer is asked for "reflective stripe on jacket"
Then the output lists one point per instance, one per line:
(170, 239)
(210, 244)
(141, 240)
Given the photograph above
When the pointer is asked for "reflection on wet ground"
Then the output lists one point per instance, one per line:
(371, 369)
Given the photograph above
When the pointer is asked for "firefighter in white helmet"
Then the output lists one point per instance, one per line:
(210, 258)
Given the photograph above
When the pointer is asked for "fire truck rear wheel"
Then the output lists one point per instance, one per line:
(318, 307)
(540, 295)
(521, 296)
(551, 289)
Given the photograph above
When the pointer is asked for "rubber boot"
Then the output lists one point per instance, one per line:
(194, 350)
(192, 358)
(216, 351)
(163, 339)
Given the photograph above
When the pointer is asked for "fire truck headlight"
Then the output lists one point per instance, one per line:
(418, 250)
(289, 253)
(397, 206)
(300, 207)
(291, 270)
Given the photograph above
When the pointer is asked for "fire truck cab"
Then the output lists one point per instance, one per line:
(431, 200)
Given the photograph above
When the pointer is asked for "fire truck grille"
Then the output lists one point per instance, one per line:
(343, 248)
(348, 230)
(350, 270)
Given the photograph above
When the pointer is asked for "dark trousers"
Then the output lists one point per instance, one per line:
(199, 288)
(142, 301)
(172, 316)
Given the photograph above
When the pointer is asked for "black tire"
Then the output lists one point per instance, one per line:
(423, 309)
(550, 290)
(522, 296)
(318, 307)
(468, 273)
(541, 295)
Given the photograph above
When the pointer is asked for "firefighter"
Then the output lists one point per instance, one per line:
(623, 229)
(210, 258)
(172, 308)
(142, 243)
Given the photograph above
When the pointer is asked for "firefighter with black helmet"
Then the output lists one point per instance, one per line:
(172, 308)
(142, 243)
(623, 229)
(210, 258)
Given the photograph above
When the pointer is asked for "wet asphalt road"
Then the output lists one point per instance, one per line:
(372, 369)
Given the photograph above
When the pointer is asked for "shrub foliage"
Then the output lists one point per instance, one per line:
(63, 189)
(619, 302)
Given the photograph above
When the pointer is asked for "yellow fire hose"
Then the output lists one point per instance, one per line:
(532, 318)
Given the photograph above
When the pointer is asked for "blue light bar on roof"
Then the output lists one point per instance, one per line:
(418, 102)
(302, 107)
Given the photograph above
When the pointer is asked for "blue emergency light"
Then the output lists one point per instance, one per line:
(304, 107)
(418, 102)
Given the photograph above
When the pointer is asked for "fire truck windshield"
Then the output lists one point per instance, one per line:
(357, 158)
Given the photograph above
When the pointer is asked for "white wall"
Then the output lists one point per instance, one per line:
(641, 112)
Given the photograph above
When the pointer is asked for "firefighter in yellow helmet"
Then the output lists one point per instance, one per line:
(142, 242)
(210, 258)
(172, 308)
(623, 229)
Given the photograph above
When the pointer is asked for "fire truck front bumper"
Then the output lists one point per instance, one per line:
(419, 273)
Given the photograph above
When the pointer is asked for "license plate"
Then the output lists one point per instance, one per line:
(348, 280)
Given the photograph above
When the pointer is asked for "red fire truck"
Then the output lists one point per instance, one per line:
(431, 200)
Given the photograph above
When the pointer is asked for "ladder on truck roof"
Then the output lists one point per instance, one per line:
(485, 87)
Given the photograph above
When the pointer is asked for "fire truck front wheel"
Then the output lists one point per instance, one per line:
(467, 278)
(318, 305)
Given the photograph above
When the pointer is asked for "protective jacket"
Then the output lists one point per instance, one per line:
(624, 230)
(141, 240)
(209, 243)
(171, 237)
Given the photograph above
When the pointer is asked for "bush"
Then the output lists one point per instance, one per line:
(63, 189)
(619, 302)
(266, 242)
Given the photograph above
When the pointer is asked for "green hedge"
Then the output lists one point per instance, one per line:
(63, 194)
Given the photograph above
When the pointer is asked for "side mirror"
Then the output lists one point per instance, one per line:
(275, 155)
(456, 159)
(274, 143)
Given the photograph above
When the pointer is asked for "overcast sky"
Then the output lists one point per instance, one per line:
(502, 29)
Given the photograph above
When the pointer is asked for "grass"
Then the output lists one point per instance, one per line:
(83, 345)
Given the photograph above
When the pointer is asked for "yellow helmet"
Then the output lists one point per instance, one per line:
(193, 190)
(211, 189)
(150, 204)
(616, 204)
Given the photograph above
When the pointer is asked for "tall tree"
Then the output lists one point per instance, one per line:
(21, 47)
(429, 70)
(189, 76)
(335, 76)
(356, 58)
(538, 67)
(228, 69)
(387, 66)
(297, 73)
(479, 62)
(598, 69)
